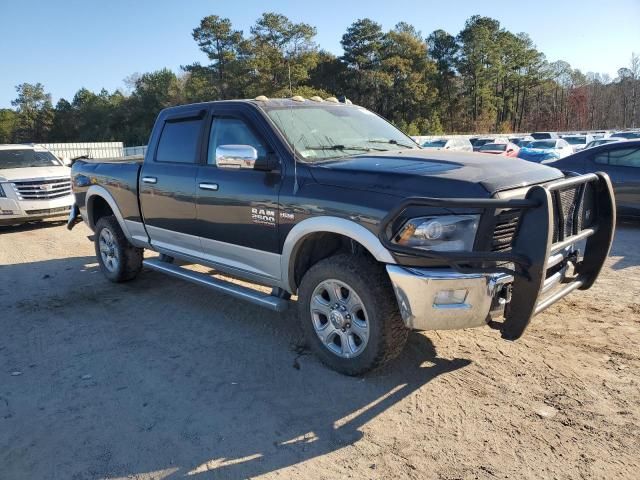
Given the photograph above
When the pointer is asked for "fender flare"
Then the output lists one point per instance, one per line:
(99, 191)
(327, 224)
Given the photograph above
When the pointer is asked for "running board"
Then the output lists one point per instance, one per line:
(237, 291)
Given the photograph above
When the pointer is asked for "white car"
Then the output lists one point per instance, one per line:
(602, 141)
(455, 144)
(34, 184)
(578, 142)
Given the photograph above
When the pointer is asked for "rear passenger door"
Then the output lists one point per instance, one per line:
(168, 183)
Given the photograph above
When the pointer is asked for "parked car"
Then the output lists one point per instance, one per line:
(602, 141)
(621, 161)
(456, 144)
(544, 135)
(34, 185)
(507, 149)
(482, 141)
(543, 151)
(328, 201)
(630, 135)
(578, 142)
(521, 141)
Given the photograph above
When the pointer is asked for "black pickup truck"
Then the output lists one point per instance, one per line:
(329, 202)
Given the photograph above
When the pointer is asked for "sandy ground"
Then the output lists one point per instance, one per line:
(162, 379)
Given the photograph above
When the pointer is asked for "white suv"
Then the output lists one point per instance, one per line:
(34, 184)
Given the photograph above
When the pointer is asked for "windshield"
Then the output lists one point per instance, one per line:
(501, 147)
(26, 157)
(542, 144)
(482, 141)
(627, 135)
(322, 132)
(576, 140)
(435, 144)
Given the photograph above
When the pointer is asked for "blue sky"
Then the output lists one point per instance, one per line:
(69, 44)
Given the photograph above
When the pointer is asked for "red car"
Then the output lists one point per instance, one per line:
(506, 149)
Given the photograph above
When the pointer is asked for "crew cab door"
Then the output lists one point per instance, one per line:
(237, 208)
(167, 182)
(623, 166)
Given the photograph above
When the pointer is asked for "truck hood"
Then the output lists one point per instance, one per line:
(432, 173)
(33, 173)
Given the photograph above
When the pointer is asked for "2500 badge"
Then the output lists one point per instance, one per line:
(263, 216)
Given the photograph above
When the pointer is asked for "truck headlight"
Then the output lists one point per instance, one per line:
(440, 233)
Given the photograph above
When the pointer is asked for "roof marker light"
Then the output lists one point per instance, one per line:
(297, 98)
(262, 98)
(331, 99)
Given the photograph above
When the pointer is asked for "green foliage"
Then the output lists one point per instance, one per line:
(483, 79)
(8, 121)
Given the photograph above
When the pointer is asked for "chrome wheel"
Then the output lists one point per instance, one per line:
(339, 318)
(108, 250)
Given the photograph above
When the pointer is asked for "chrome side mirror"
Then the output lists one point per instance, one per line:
(236, 156)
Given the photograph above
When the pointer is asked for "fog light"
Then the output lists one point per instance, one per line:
(450, 297)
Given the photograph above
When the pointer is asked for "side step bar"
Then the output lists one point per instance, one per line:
(243, 293)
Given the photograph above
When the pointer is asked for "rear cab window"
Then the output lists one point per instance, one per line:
(179, 141)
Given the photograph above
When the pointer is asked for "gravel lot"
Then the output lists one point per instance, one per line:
(162, 379)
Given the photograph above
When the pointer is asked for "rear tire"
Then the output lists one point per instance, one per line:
(349, 314)
(119, 260)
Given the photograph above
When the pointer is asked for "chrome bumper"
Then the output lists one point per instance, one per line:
(417, 289)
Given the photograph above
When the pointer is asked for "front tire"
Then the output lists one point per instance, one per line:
(118, 259)
(350, 315)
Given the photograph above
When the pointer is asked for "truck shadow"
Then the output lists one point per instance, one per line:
(325, 417)
(184, 381)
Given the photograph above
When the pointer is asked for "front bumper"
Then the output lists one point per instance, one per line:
(417, 291)
(542, 258)
(14, 211)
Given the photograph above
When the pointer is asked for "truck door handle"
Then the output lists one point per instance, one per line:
(209, 186)
(149, 180)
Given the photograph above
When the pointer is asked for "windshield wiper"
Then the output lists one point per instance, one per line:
(341, 147)
(392, 142)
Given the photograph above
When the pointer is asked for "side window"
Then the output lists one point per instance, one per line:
(232, 131)
(179, 141)
(601, 158)
(625, 157)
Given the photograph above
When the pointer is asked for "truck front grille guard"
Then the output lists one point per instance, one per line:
(546, 227)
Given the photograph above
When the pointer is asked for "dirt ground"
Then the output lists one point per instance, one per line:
(162, 379)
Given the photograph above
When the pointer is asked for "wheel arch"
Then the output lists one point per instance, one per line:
(100, 203)
(328, 229)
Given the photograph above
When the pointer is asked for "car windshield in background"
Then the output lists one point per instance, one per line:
(435, 144)
(495, 147)
(542, 144)
(576, 140)
(322, 132)
(627, 135)
(482, 141)
(25, 158)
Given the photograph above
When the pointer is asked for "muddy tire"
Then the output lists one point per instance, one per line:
(119, 260)
(349, 314)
